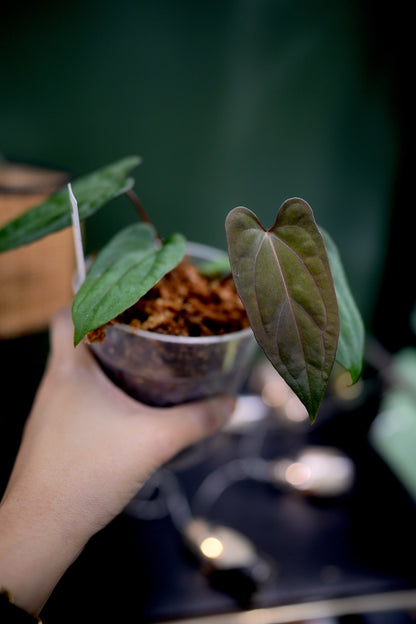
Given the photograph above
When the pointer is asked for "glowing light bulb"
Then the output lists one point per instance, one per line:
(227, 557)
(345, 389)
(212, 547)
(318, 471)
(298, 474)
(294, 409)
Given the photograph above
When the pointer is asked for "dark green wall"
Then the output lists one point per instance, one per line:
(228, 102)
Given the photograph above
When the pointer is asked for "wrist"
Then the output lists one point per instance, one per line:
(34, 552)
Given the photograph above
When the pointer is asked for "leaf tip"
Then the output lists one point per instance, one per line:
(77, 338)
(312, 417)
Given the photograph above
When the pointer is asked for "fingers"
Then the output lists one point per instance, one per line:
(188, 423)
(202, 417)
(173, 428)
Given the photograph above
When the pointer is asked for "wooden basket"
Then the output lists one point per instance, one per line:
(35, 280)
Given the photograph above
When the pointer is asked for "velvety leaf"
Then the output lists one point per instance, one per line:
(91, 191)
(284, 280)
(350, 352)
(125, 269)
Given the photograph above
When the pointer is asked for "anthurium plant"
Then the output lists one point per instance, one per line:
(289, 277)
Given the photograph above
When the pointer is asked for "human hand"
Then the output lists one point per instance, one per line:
(86, 450)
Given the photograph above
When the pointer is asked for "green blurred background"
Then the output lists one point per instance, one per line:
(232, 102)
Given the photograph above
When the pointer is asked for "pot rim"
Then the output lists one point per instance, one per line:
(189, 340)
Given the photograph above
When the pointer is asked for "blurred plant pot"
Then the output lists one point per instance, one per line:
(161, 369)
(35, 280)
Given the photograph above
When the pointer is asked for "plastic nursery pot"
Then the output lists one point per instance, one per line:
(35, 280)
(161, 370)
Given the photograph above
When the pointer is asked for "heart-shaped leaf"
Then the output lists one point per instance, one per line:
(284, 280)
(125, 269)
(350, 352)
(92, 192)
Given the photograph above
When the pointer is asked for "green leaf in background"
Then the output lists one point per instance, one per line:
(393, 431)
(216, 268)
(92, 191)
(125, 269)
(284, 280)
(350, 352)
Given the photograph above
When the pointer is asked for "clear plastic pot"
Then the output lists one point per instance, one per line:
(160, 369)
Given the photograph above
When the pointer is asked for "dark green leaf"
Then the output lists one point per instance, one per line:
(125, 269)
(350, 352)
(91, 191)
(284, 280)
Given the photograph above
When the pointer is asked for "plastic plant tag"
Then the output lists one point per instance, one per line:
(76, 228)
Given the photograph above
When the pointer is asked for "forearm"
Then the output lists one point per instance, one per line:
(35, 550)
(86, 450)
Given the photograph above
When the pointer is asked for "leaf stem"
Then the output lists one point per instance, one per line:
(131, 195)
